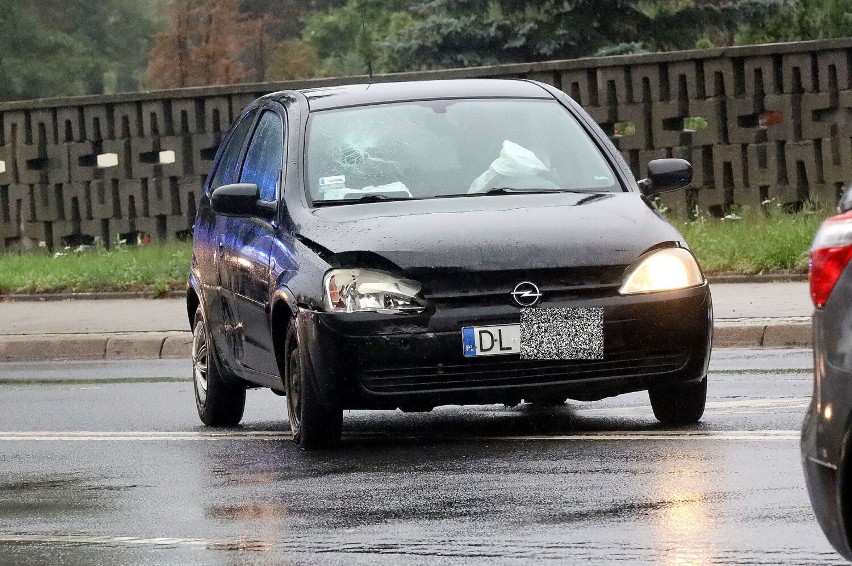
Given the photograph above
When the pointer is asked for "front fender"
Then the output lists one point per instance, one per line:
(323, 351)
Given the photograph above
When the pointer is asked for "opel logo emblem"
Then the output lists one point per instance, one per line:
(526, 294)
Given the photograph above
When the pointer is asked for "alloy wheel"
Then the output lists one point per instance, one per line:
(294, 391)
(200, 361)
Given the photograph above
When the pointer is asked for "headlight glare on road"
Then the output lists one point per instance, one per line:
(663, 270)
(368, 290)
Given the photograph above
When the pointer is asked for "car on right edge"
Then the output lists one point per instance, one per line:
(826, 440)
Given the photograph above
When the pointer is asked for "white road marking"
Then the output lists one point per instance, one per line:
(735, 406)
(738, 406)
(144, 435)
(780, 402)
(87, 539)
(130, 436)
(753, 435)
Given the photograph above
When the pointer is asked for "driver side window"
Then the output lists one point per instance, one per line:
(265, 156)
(228, 166)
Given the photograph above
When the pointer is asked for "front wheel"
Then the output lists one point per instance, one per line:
(313, 424)
(679, 403)
(219, 403)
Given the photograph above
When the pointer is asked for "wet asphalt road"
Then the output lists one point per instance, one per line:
(101, 469)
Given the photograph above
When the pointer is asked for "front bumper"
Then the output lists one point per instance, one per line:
(368, 360)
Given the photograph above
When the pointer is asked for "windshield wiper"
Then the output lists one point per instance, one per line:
(361, 199)
(513, 191)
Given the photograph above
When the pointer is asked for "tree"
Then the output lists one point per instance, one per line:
(802, 20)
(34, 61)
(454, 33)
(358, 35)
(116, 35)
(461, 33)
(169, 61)
(291, 60)
(203, 46)
(72, 47)
(223, 34)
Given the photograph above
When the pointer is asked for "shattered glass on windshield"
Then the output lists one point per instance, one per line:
(430, 149)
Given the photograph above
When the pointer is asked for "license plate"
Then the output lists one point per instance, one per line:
(543, 334)
(491, 340)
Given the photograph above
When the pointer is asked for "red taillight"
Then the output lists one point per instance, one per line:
(333, 291)
(830, 252)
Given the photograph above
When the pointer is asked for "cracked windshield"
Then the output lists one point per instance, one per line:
(446, 148)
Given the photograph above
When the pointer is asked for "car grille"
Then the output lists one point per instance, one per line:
(512, 371)
(446, 287)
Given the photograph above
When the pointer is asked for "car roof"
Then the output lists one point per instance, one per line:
(354, 95)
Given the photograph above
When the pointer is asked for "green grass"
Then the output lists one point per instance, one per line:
(767, 241)
(153, 269)
(758, 242)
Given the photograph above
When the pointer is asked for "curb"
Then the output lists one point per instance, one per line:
(119, 346)
(761, 278)
(176, 345)
(88, 296)
(789, 335)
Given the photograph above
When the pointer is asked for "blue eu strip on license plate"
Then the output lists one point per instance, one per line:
(469, 341)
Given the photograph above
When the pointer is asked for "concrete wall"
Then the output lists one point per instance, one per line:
(777, 120)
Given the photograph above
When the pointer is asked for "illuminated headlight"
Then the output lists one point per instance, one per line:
(663, 270)
(360, 290)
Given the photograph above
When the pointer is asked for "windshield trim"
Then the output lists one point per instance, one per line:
(515, 193)
(591, 135)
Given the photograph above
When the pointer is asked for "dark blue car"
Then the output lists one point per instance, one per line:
(410, 245)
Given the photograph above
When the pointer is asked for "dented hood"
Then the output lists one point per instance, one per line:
(493, 232)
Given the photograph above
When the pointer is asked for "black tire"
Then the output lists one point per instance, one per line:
(219, 403)
(679, 403)
(313, 424)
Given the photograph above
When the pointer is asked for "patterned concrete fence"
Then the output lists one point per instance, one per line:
(757, 123)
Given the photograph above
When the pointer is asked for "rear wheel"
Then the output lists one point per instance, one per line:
(219, 403)
(313, 424)
(679, 403)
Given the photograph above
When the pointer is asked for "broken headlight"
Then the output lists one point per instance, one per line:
(368, 290)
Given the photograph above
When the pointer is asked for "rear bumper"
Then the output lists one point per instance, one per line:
(824, 492)
(379, 361)
(825, 437)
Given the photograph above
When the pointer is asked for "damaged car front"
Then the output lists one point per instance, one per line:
(474, 242)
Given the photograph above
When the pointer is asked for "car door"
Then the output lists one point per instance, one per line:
(254, 238)
(217, 230)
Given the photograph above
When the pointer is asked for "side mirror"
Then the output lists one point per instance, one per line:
(666, 175)
(845, 202)
(240, 199)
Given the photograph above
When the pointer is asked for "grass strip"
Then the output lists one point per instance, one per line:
(752, 241)
(155, 269)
